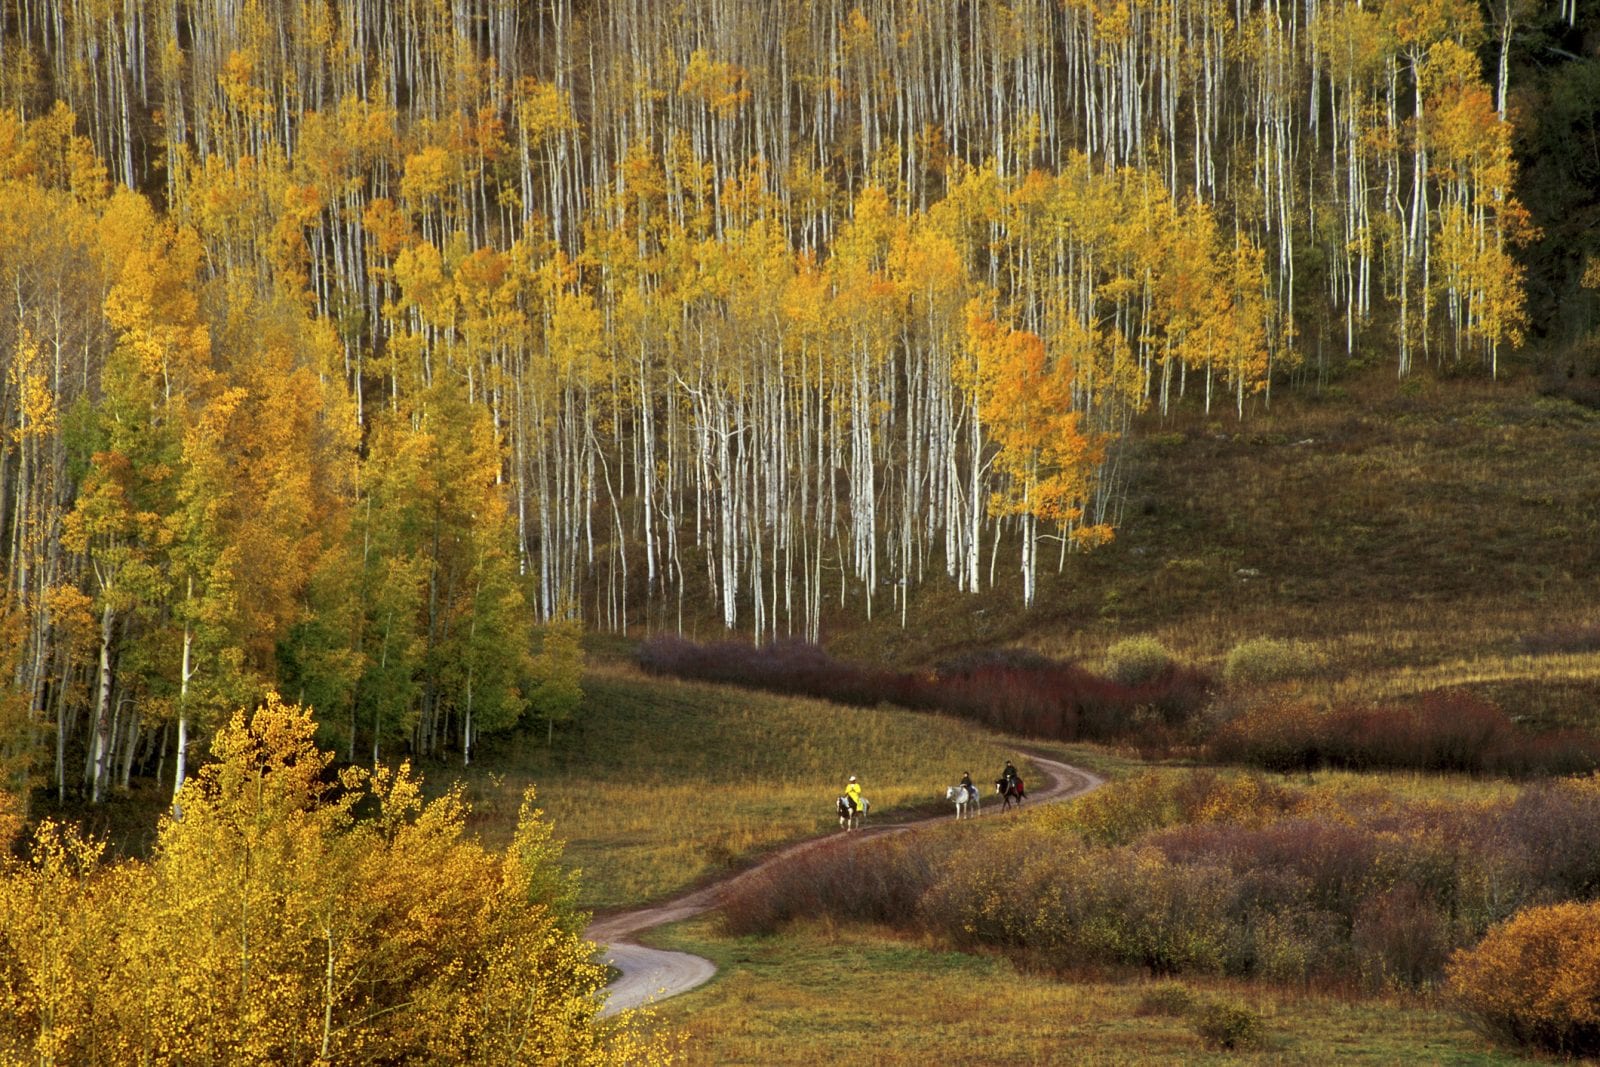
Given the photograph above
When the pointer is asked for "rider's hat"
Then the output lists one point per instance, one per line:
(852, 777)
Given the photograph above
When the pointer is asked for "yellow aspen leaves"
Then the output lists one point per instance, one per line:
(271, 924)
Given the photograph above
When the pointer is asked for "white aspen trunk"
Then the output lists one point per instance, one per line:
(975, 500)
(180, 759)
(1029, 553)
(466, 720)
(101, 742)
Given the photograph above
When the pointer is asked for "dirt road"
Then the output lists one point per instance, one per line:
(650, 974)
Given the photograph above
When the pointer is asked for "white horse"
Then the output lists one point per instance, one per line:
(963, 800)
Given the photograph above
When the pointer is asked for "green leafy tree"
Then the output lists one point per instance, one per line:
(558, 673)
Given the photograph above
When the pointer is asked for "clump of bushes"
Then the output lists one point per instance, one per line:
(866, 880)
(1024, 693)
(1213, 874)
(1137, 661)
(1017, 692)
(1449, 730)
(1535, 979)
(794, 667)
(1226, 1024)
(1168, 998)
(1264, 660)
(1229, 1025)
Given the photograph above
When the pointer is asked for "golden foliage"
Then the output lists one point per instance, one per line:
(275, 925)
(1535, 979)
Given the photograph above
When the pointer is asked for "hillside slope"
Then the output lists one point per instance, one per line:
(1445, 533)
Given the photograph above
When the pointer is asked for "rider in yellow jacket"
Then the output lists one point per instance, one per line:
(853, 791)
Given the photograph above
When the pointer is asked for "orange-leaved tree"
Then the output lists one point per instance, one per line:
(1026, 400)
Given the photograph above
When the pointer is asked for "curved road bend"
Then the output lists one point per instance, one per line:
(650, 974)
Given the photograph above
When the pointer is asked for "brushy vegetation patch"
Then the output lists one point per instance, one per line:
(1264, 660)
(1204, 874)
(1229, 1025)
(1137, 660)
(1535, 979)
(1453, 731)
(1569, 639)
(1007, 691)
(1168, 998)
(1023, 693)
(1226, 1024)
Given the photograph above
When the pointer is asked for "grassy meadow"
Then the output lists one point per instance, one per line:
(659, 784)
(866, 996)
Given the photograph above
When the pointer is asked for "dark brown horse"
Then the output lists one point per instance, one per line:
(1010, 789)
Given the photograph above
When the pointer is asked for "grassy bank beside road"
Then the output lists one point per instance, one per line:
(660, 784)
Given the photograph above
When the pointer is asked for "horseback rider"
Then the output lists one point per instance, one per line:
(852, 793)
(1009, 778)
(966, 782)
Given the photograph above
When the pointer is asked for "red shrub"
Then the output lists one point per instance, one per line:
(1023, 694)
(1442, 731)
(1401, 939)
(868, 880)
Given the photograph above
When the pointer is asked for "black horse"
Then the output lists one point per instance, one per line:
(1010, 789)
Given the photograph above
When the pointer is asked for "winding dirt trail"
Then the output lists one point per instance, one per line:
(650, 974)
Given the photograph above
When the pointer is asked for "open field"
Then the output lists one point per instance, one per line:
(868, 997)
(659, 784)
(1441, 534)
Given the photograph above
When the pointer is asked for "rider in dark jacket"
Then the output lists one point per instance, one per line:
(966, 781)
(1009, 777)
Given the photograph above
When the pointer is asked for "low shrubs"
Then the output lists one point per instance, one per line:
(1535, 979)
(1026, 694)
(1019, 693)
(1168, 998)
(1263, 660)
(869, 880)
(1226, 1024)
(1572, 639)
(1186, 874)
(793, 667)
(1441, 731)
(1229, 1025)
(1137, 661)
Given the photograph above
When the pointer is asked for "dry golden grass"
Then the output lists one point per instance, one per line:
(662, 783)
(861, 996)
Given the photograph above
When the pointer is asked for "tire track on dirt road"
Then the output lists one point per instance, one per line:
(650, 974)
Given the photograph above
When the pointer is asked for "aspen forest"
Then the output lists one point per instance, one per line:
(350, 345)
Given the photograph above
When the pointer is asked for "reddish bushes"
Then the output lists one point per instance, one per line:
(794, 667)
(875, 880)
(1443, 731)
(1304, 887)
(1573, 639)
(1026, 694)
(1017, 693)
